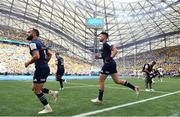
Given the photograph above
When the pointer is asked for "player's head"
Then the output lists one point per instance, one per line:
(103, 36)
(57, 54)
(153, 63)
(32, 33)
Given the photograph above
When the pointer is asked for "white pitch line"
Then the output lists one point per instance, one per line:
(124, 105)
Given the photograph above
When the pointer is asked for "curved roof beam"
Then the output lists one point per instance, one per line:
(148, 39)
(46, 26)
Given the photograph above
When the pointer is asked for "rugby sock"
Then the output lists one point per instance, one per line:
(127, 84)
(61, 83)
(42, 98)
(150, 85)
(45, 90)
(100, 94)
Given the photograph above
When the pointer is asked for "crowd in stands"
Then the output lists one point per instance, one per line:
(14, 56)
(12, 33)
(168, 58)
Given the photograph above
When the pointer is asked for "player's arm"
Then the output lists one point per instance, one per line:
(146, 71)
(114, 51)
(49, 55)
(35, 57)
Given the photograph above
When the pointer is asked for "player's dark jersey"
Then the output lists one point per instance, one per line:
(37, 45)
(60, 62)
(109, 66)
(149, 68)
(106, 53)
(60, 66)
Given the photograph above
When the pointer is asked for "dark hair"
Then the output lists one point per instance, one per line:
(57, 53)
(105, 33)
(154, 62)
(36, 32)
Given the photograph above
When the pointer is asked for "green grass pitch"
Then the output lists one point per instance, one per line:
(17, 99)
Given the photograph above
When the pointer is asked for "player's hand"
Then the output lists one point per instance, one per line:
(97, 56)
(26, 64)
(108, 60)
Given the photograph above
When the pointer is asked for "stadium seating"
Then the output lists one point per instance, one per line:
(168, 58)
(13, 57)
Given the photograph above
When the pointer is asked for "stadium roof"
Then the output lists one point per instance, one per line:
(134, 25)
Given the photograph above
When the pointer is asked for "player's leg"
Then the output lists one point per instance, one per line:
(37, 89)
(52, 93)
(153, 80)
(102, 79)
(149, 80)
(150, 84)
(147, 83)
(58, 78)
(61, 82)
(59, 75)
(63, 79)
(39, 79)
(117, 80)
(62, 74)
(161, 77)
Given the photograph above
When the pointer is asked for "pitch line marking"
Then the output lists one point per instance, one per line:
(124, 105)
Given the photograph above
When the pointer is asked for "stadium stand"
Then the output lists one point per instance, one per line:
(168, 58)
(14, 55)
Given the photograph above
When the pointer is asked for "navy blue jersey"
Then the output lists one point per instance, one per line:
(109, 66)
(106, 53)
(37, 45)
(149, 68)
(60, 61)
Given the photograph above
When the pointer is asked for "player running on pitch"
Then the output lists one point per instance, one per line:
(40, 56)
(108, 52)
